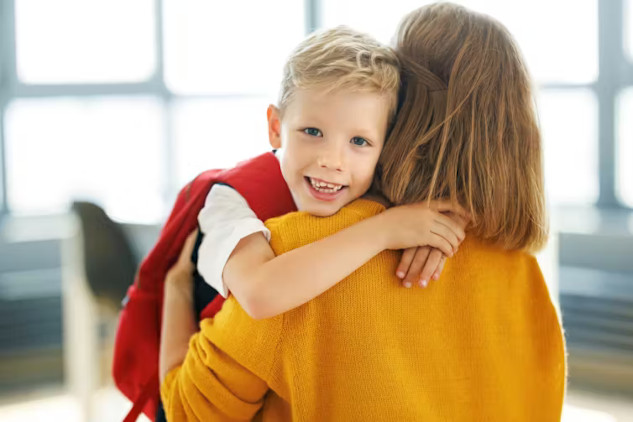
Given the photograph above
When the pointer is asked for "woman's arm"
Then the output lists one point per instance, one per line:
(266, 285)
(179, 322)
(199, 379)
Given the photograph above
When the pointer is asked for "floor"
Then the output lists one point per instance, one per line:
(53, 405)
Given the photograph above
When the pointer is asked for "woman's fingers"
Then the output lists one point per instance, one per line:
(187, 249)
(420, 257)
(430, 267)
(440, 268)
(184, 259)
(405, 262)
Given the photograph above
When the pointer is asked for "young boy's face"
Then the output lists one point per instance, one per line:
(331, 144)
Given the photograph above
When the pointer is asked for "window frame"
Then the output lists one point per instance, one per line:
(615, 75)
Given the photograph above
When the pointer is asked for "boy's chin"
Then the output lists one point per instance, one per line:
(323, 211)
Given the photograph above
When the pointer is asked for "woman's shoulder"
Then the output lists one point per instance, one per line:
(356, 210)
(297, 229)
(485, 260)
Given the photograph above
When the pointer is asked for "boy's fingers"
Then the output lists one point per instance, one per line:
(430, 267)
(453, 224)
(421, 255)
(405, 262)
(446, 233)
(442, 244)
(460, 220)
(448, 206)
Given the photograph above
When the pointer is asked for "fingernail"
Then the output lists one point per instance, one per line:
(407, 284)
(400, 274)
(423, 283)
(435, 276)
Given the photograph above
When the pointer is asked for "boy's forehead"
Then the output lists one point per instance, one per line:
(324, 99)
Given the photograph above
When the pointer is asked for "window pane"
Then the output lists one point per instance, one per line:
(628, 28)
(217, 134)
(231, 47)
(107, 150)
(624, 163)
(379, 19)
(536, 25)
(85, 41)
(569, 124)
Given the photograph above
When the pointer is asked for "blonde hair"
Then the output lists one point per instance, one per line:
(341, 59)
(467, 128)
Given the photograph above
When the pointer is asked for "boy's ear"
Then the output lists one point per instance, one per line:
(274, 126)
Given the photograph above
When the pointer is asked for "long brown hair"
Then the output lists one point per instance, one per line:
(467, 128)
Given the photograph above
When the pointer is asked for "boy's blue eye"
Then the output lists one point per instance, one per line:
(357, 140)
(312, 131)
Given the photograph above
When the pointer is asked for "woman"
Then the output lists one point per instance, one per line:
(484, 343)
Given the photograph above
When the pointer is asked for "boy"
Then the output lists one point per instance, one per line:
(337, 101)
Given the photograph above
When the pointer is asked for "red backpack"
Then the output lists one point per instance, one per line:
(136, 348)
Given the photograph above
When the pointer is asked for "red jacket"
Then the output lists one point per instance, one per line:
(136, 348)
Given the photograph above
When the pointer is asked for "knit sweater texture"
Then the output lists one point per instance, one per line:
(481, 344)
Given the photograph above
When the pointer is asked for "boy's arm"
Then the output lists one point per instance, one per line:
(266, 285)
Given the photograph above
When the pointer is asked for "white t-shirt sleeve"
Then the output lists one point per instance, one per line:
(225, 219)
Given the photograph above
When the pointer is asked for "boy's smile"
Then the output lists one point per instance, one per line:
(324, 191)
(331, 143)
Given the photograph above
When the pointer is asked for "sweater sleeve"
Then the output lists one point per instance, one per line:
(224, 375)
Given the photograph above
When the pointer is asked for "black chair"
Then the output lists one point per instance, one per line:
(109, 261)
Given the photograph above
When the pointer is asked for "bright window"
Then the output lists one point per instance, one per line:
(231, 47)
(217, 133)
(628, 30)
(624, 148)
(569, 126)
(110, 150)
(85, 41)
(559, 39)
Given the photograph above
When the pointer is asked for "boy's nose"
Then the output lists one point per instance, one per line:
(331, 158)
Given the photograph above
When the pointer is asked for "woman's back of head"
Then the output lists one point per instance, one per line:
(466, 128)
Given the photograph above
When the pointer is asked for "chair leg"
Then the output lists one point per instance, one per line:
(80, 314)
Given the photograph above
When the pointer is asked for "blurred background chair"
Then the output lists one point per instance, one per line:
(98, 265)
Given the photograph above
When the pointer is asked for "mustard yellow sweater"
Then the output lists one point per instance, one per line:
(482, 344)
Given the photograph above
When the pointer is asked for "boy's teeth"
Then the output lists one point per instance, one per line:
(325, 187)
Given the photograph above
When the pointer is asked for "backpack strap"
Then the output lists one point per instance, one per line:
(146, 393)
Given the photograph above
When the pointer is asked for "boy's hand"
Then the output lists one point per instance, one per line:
(423, 224)
(421, 264)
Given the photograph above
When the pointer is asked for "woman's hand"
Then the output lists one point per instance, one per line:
(180, 274)
(179, 322)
